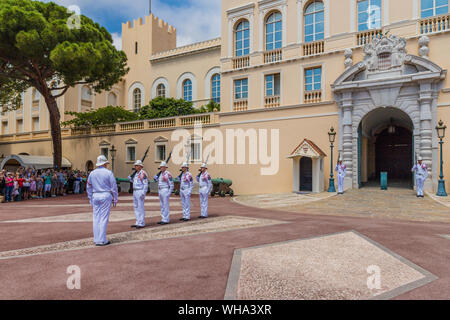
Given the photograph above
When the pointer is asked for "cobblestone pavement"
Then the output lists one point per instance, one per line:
(395, 203)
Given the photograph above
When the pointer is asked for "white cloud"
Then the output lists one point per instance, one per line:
(117, 40)
(195, 20)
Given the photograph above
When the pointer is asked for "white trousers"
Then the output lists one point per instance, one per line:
(101, 203)
(340, 179)
(186, 203)
(76, 188)
(139, 207)
(420, 182)
(204, 195)
(164, 197)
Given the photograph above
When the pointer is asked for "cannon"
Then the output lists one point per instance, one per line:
(222, 187)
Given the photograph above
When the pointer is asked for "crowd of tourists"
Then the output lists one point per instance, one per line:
(29, 183)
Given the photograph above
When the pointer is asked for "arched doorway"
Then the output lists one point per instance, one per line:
(306, 174)
(89, 166)
(386, 144)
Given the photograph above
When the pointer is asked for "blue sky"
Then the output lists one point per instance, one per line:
(195, 20)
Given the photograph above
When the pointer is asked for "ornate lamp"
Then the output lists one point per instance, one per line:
(332, 139)
(113, 152)
(440, 128)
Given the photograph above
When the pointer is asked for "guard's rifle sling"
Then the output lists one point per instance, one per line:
(167, 161)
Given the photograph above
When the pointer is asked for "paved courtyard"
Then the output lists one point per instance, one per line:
(319, 248)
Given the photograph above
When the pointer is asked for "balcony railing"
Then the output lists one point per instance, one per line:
(132, 126)
(312, 48)
(240, 105)
(81, 131)
(313, 96)
(190, 121)
(105, 128)
(365, 37)
(273, 56)
(241, 62)
(435, 24)
(272, 101)
(162, 123)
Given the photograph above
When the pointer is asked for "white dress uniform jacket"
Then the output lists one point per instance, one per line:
(186, 187)
(102, 192)
(140, 188)
(165, 188)
(421, 175)
(205, 186)
(341, 172)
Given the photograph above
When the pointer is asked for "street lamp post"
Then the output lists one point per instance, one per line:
(113, 152)
(441, 134)
(332, 138)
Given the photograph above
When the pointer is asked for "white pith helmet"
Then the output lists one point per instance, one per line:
(163, 164)
(185, 165)
(204, 165)
(139, 163)
(101, 161)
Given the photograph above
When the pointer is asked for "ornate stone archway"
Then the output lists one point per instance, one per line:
(389, 77)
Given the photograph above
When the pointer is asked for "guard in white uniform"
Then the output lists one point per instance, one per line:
(165, 188)
(421, 171)
(205, 186)
(140, 188)
(341, 172)
(102, 192)
(186, 186)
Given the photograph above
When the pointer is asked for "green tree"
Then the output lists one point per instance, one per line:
(40, 49)
(166, 107)
(101, 116)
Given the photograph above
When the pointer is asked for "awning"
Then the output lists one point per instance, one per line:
(36, 162)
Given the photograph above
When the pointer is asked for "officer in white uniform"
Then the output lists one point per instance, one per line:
(341, 172)
(102, 192)
(421, 171)
(165, 188)
(140, 188)
(205, 186)
(186, 186)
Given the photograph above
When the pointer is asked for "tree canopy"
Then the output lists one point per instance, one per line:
(101, 116)
(39, 48)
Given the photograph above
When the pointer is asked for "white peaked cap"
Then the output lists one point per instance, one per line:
(204, 165)
(185, 165)
(163, 164)
(139, 163)
(419, 158)
(101, 160)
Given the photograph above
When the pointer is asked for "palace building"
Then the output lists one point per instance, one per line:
(284, 73)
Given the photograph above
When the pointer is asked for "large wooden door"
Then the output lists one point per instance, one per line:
(394, 154)
(306, 174)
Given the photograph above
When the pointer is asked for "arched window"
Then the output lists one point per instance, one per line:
(137, 99)
(161, 90)
(431, 8)
(187, 90)
(274, 31)
(112, 99)
(242, 39)
(314, 22)
(215, 88)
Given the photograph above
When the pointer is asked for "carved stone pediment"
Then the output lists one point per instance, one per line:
(307, 149)
(385, 53)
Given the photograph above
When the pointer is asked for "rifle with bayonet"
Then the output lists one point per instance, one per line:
(135, 172)
(167, 161)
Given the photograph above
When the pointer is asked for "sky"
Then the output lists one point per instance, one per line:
(195, 20)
